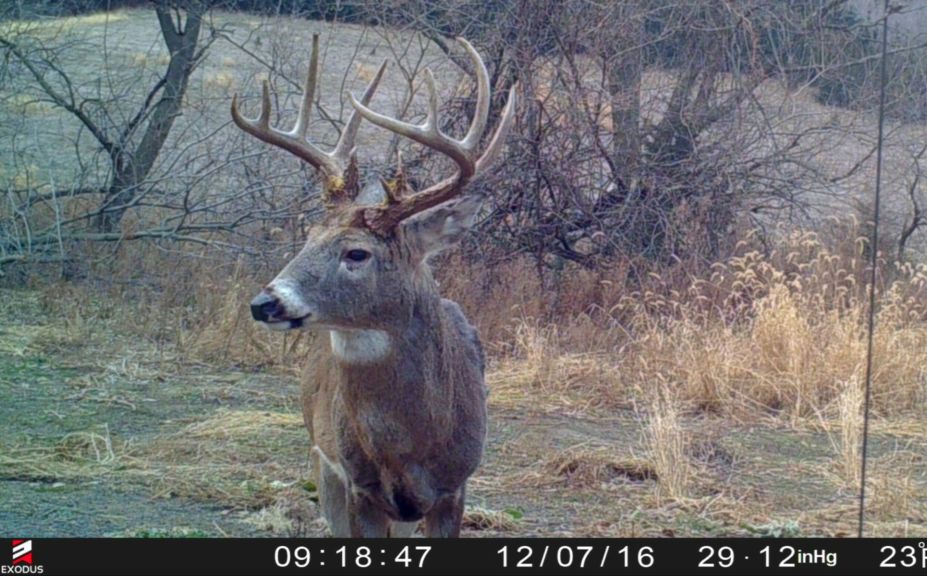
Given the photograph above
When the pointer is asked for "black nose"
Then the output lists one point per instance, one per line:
(264, 307)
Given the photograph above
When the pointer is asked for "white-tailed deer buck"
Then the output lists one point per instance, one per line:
(395, 401)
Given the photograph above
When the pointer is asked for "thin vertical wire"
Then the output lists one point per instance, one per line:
(873, 263)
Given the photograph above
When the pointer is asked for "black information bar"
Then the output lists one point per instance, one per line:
(484, 557)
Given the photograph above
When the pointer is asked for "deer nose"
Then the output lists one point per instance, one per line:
(264, 307)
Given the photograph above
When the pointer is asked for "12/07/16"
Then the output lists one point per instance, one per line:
(577, 556)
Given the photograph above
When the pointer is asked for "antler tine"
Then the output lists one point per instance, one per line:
(345, 146)
(388, 216)
(464, 152)
(498, 139)
(426, 134)
(481, 116)
(445, 189)
(333, 164)
(261, 129)
(312, 77)
(264, 117)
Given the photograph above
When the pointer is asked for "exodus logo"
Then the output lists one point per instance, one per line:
(22, 560)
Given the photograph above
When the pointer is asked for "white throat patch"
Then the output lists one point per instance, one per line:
(360, 346)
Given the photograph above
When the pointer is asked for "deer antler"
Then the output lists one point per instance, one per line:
(383, 219)
(336, 166)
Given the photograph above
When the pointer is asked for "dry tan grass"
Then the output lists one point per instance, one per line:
(847, 444)
(666, 444)
(540, 369)
(896, 485)
(292, 514)
(236, 457)
(588, 467)
(76, 455)
(777, 340)
(895, 497)
(772, 335)
(478, 518)
(240, 425)
(226, 333)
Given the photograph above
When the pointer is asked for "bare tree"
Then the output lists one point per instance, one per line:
(649, 127)
(652, 131)
(133, 146)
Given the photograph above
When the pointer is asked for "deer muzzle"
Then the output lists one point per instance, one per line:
(266, 307)
(278, 307)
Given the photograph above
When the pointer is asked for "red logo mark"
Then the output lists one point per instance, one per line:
(22, 552)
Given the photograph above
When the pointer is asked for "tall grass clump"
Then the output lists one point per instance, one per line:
(775, 334)
(848, 444)
(665, 442)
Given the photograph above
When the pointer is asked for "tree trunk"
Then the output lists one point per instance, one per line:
(624, 87)
(132, 166)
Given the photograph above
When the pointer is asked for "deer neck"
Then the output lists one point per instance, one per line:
(395, 380)
(361, 347)
(407, 353)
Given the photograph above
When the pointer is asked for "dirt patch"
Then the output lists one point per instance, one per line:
(94, 508)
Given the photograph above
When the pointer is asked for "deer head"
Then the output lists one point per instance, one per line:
(364, 265)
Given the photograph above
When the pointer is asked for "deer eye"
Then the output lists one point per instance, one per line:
(356, 255)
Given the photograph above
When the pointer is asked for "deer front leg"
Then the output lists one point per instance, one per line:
(333, 494)
(444, 518)
(367, 519)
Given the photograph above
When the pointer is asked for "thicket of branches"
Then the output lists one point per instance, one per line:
(646, 129)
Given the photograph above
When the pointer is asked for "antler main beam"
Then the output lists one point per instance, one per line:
(332, 164)
(338, 165)
(465, 153)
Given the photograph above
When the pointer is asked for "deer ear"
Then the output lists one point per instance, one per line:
(442, 226)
